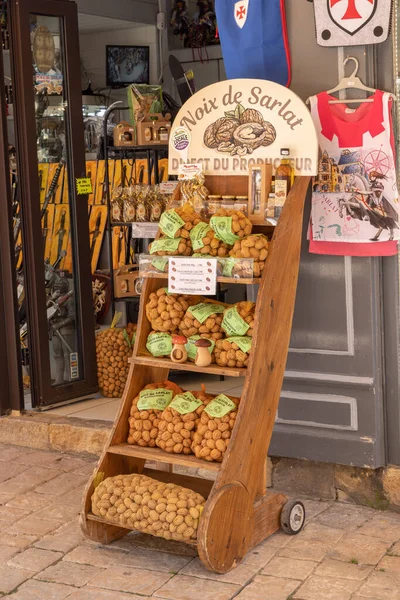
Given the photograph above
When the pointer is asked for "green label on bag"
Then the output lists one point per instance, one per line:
(159, 263)
(191, 348)
(159, 344)
(220, 406)
(166, 245)
(244, 342)
(185, 403)
(202, 311)
(157, 399)
(227, 267)
(170, 222)
(197, 234)
(126, 337)
(223, 229)
(233, 324)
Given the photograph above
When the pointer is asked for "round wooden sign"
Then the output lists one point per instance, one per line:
(44, 50)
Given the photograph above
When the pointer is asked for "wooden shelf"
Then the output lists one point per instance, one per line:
(156, 454)
(166, 363)
(243, 281)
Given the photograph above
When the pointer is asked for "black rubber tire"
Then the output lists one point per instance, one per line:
(287, 517)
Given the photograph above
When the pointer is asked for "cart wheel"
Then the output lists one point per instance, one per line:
(293, 517)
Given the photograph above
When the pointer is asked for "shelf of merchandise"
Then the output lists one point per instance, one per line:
(239, 513)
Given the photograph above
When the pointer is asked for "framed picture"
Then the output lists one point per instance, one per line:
(126, 65)
(259, 186)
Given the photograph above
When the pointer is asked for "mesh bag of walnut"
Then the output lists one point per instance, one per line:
(230, 225)
(205, 242)
(213, 432)
(159, 343)
(192, 350)
(203, 319)
(178, 222)
(165, 311)
(146, 410)
(113, 348)
(179, 420)
(171, 247)
(138, 502)
(233, 351)
(253, 246)
(239, 319)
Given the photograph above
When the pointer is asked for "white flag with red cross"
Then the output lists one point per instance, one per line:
(351, 22)
(240, 12)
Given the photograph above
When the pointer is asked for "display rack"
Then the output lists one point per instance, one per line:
(239, 512)
(152, 154)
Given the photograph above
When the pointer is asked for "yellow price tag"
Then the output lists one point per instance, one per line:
(84, 186)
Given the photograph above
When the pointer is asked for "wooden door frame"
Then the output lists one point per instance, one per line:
(12, 394)
(42, 391)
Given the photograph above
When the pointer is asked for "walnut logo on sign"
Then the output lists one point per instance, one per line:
(239, 132)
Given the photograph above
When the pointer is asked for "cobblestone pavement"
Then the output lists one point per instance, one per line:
(345, 551)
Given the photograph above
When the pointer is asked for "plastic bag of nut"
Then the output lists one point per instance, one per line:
(171, 247)
(230, 225)
(213, 432)
(205, 242)
(165, 311)
(204, 319)
(146, 410)
(113, 348)
(178, 222)
(179, 420)
(254, 246)
(233, 352)
(239, 319)
(139, 502)
(159, 343)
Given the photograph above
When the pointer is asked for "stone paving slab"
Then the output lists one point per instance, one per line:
(345, 552)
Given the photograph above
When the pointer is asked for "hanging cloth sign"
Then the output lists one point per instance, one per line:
(352, 22)
(254, 39)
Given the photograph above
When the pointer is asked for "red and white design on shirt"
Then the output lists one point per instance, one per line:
(240, 11)
(355, 198)
(351, 15)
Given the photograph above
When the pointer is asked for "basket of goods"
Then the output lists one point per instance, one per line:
(165, 311)
(139, 502)
(205, 242)
(179, 421)
(192, 349)
(254, 246)
(233, 351)
(159, 343)
(212, 435)
(113, 348)
(239, 319)
(146, 410)
(230, 225)
(204, 319)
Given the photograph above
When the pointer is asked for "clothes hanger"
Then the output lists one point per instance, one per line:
(351, 82)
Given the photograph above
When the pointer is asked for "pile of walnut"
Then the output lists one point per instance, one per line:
(241, 225)
(246, 312)
(150, 506)
(209, 244)
(176, 430)
(143, 423)
(112, 351)
(166, 311)
(177, 223)
(254, 246)
(184, 248)
(228, 354)
(212, 435)
(210, 328)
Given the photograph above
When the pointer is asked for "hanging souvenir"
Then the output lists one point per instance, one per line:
(179, 19)
(254, 39)
(48, 76)
(355, 208)
(352, 22)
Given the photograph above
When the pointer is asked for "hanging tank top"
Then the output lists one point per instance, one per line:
(355, 209)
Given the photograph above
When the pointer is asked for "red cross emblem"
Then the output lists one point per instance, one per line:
(351, 15)
(240, 12)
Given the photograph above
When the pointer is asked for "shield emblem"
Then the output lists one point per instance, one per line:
(240, 12)
(351, 15)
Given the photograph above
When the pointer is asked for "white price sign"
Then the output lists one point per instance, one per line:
(187, 275)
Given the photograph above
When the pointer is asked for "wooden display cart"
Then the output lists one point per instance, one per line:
(239, 512)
